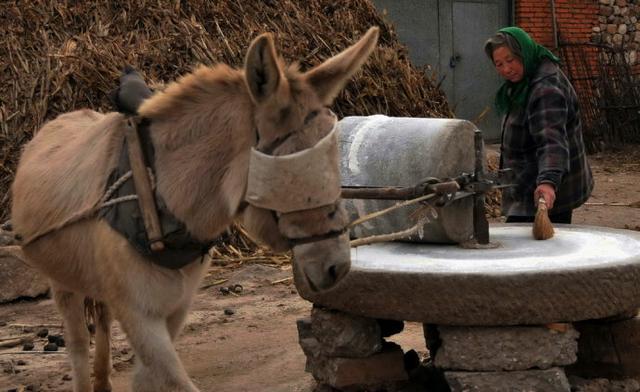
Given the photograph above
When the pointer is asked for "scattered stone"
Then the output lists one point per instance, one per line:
(60, 342)
(224, 290)
(505, 348)
(17, 279)
(550, 380)
(52, 338)
(21, 362)
(50, 347)
(345, 335)
(28, 346)
(236, 288)
(42, 333)
(229, 312)
(386, 366)
(67, 377)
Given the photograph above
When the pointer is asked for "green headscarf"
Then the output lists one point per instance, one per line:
(514, 95)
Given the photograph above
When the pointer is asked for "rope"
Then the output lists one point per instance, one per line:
(387, 210)
(89, 212)
(391, 236)
(396, 235)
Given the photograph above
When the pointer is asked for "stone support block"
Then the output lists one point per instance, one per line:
(550, 380)
(384, 367)
(17, 278)
(344, 335)
(506, 348)
(603, 385)
(608, 349)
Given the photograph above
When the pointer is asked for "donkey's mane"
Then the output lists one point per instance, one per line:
(202, 127)
(196, 88)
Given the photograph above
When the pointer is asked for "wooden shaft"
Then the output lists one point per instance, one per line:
(142, 185)
(383, 193)
(397, 192)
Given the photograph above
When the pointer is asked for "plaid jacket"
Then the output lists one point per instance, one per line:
(543, 143)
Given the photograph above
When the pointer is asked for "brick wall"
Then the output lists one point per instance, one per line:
(575, 19)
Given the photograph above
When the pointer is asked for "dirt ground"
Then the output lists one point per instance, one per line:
(248, 341)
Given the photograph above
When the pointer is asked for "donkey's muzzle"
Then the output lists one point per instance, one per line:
(323, 263)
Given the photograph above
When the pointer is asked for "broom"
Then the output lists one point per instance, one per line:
(542, 227)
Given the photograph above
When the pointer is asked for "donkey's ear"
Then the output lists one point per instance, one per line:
(331, 76)
(263, 73)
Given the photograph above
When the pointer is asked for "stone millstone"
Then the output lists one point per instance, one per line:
(581, 273)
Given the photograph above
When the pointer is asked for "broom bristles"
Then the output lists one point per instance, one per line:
(542, 227)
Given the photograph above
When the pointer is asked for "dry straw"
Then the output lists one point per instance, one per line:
(58, 56)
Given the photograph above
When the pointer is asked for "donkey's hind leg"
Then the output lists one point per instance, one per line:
(71, 306)
(102, 357)
(158, 367)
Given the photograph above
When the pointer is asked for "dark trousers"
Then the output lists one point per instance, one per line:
(562, 217)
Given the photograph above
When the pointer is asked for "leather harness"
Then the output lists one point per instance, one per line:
(180, 248)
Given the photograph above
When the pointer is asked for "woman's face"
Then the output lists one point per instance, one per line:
(508, 66)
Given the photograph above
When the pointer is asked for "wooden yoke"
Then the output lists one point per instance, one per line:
(142, 185)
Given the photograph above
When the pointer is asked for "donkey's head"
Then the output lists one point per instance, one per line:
(294, 181)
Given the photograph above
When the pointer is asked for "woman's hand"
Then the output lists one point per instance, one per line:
(546, 191)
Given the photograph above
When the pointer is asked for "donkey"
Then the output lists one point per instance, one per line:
(204, 129)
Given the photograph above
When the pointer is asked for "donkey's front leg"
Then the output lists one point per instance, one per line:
(192, 277)
(158, 367)
(102, 357)
(71, 306)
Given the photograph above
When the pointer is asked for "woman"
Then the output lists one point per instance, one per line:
(541, 133)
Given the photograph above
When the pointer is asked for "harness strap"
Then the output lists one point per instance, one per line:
(180, 248)
(142, 185)
(315, 238)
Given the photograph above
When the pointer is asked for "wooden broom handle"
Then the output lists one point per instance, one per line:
(142, 185)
